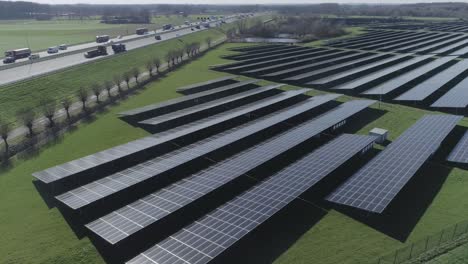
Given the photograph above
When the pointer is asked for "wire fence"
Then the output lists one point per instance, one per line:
(419, 247)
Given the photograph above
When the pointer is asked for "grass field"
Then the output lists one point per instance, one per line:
(67, 82)
(39, 35)
(31, 233)
(458, 255)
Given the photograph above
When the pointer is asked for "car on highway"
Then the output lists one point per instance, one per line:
(7, 60)
(157, 37)
(63, 47)
(52, 50)
(34, 57)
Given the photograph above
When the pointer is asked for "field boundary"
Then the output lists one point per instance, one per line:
(428, 244)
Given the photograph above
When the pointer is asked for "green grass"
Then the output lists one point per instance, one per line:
(458, 255)
(67, 82)
(31, 233)
(350, 32)
(39, 35)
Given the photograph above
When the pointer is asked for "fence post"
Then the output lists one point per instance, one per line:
(395, 258)
(454, 231)
(411, 250)
(466, 229)
(427, 243)
(440, 238)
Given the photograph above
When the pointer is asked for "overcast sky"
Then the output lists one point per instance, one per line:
(234, 1)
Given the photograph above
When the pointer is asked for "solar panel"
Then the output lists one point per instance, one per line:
(410, 40)
(451, 48)
(207, 237)
(459, 52)
(203, 86)
(264, 59)
(211, 106)
(283, 58)
(442, 44)
(117, 226)
(299, 75)
(313, 65)
(267, 53)
(385, 40)
(429, 86)
(456, 97)
(460, 153)
(382, 73)
(336, 78)
(428, 42)
(189, 100)
(354, 41)
(376, 184)
(303, 64)
(113, 184)
(128, 150)
(407, 77)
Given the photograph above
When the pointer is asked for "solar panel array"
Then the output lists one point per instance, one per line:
(190, 100)
(460, 153)
(376, 184)
(401, 70)
(206, 238)
(124, 222)
(110, 185)
(227, 101)
(203, 86)
(127, 150)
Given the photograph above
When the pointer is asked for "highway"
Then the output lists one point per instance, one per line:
(42, 67)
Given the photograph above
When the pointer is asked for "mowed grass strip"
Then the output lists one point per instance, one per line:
(67, 82)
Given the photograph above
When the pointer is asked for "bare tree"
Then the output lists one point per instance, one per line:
(208, 41)
(48, 107)
(180, 53)
(157, 64)
(108, 87)
(188, 49)
(83, 94)
(26, 115)
(150, 67)
(127, 76)
(136, 73)
(118, 82)
(66, 104)
(97, 90)
(168, 58)
(5, 130)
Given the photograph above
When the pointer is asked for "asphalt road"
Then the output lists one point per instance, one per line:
(34, 69)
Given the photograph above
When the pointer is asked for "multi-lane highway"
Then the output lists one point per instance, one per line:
(73, 57)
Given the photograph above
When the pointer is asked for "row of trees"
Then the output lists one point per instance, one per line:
(120, 84)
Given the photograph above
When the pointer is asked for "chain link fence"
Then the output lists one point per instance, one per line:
(415, 249)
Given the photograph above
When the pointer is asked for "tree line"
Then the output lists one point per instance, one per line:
(120, 84)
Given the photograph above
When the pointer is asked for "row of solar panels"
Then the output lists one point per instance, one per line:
(128, 206)
(435, 81)
(447, 27)
(138, 197)
(446, 44)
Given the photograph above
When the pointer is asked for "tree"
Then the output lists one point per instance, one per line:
(83, 94)
(150, 67)
(5, 129)
(26, 115)
(168, 58)
(136, 73)
(157, 64)
(127, 76)
(108, 87)
(180, 53)
(48, 107)
(118, 82)
(208, 41)
(96, 89)
(188, 49)
(66, 104)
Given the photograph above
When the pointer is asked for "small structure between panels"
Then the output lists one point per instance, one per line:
(225, 159)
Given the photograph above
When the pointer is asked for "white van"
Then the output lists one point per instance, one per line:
(53, 50)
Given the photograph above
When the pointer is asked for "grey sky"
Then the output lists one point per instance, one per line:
(233, 2)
